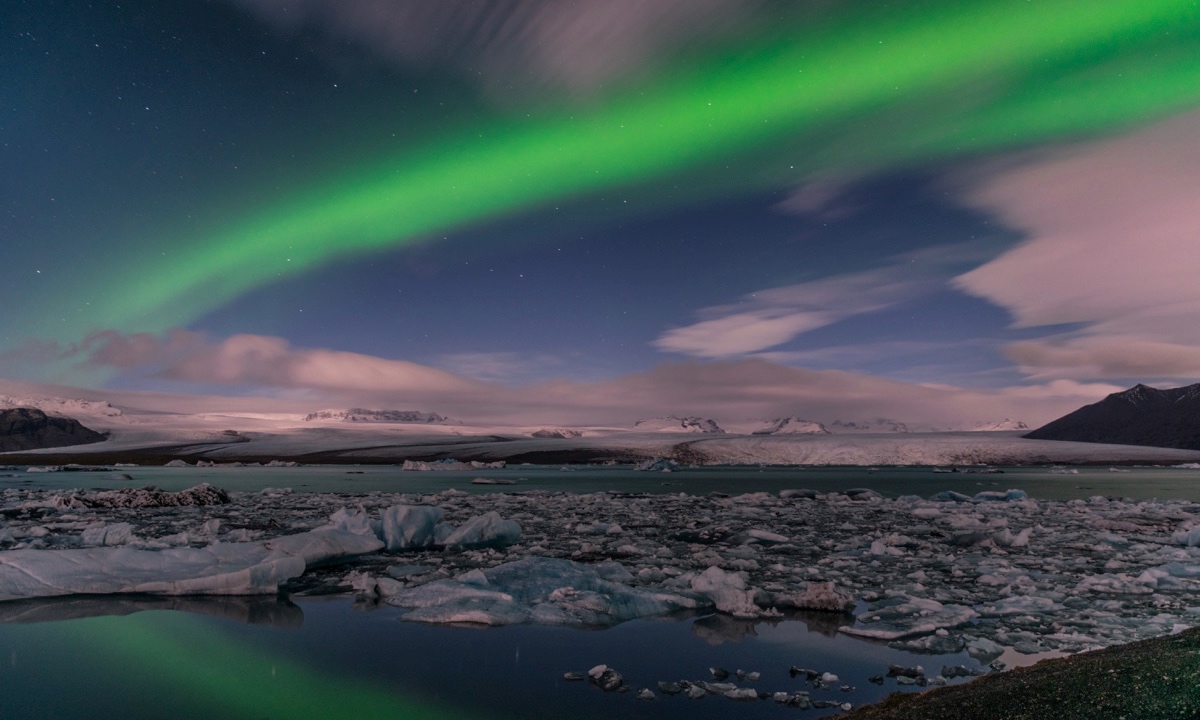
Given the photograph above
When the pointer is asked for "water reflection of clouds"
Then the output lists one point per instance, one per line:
(719, 629)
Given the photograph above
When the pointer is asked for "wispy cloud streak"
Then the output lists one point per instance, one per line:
(769, 318)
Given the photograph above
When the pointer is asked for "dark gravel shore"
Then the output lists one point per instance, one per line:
(1156, 679)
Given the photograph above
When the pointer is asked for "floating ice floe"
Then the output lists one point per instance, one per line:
(104, 564)
(220, 569)
(928, 575)
(450, 464)
(546, 591)
(904, 616)
(657, 464)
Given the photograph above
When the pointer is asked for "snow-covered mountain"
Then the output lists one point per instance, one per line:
(878, 425)
(562, 433)
(791, 425)
(671, 423)
(1004, 425)
(66, 407)
(364, 415)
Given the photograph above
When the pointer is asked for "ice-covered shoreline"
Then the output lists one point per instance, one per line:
(226, 439)
(985, 573)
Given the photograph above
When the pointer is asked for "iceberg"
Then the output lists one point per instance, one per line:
(220, 569)
(997, 496)
(546, 591)
(904, 616)
(727, 591)
(487, 530)
(403, 527)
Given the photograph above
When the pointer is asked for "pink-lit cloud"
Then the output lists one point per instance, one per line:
(258, 360)
(772, 317)
(1113, 243)
(769, 318)
(1095, 356)
(731, 390)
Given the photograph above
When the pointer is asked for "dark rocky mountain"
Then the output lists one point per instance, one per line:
(31, 429)
(1141, 415)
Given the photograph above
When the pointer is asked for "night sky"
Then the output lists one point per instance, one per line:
(530, 210)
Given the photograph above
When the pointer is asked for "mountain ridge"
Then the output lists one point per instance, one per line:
(26, 428)
(381, 416)
(1141, 415)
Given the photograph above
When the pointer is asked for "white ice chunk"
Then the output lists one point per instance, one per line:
(904, 617)
(727, 591)
(1005, 538)
(1118, 583)
(219, 569)
(542, 590)
(1189, 536)
(352, 521)
(816, 596)
(99, 534)
(409, 526)
(997, 496)
(487, 530)
(1020, 605)
(765, 536)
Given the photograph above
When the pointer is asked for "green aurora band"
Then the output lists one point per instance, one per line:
(862, 90)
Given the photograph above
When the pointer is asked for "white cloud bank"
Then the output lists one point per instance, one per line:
(1113, 243)
(732, 389)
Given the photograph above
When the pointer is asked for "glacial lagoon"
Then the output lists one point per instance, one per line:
(326, 656)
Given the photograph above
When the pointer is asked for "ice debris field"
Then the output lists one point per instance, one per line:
(940, 574)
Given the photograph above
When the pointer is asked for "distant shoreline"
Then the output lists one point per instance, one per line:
(567, 456)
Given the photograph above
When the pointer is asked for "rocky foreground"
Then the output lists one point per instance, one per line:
(1156, 679)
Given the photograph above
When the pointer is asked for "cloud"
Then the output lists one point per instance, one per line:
(1113, 243)
(772, 317)
(1095, 356)
(745, 332)
(730, 389)
(825, 198)
(507, 44)
(258, 360)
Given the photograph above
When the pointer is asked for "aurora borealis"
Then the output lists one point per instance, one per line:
(209, 168)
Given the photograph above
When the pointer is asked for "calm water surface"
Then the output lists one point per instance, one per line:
(1139, 483)
(325, 658)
